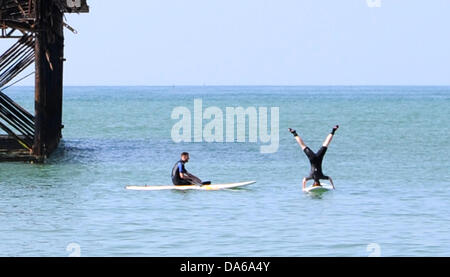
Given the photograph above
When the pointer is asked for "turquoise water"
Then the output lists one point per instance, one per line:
(389, 161)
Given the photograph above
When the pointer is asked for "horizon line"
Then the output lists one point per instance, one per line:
(397, 85)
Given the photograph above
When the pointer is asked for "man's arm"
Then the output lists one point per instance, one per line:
(331, 182)
(184, 176)
(183, 172)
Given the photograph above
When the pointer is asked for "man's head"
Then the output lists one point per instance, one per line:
(185, 157)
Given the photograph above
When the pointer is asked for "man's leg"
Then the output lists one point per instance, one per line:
(182, 182)
(194, 179)
(330, 137)
(298, 139)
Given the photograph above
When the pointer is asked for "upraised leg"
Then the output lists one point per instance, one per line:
(330, 137)
(298, 138)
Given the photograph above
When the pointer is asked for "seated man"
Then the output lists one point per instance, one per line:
(180, 176)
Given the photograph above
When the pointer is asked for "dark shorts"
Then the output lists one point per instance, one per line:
(312, 156)
(316, 163)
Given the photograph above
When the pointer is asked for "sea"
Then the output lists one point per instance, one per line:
(389, 161)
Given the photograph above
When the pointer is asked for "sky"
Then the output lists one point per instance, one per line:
(258, 42)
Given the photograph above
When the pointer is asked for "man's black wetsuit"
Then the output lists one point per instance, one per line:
(177, 169)
(315, 158)
(316, 164)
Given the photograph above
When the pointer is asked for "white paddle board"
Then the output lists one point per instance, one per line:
(319, 189)
(192, 187)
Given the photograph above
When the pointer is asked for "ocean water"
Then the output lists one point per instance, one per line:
(389, 160)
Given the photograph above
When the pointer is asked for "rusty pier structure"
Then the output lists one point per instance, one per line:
(37, 29)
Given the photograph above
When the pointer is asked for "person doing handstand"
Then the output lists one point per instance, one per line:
(315, 159)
